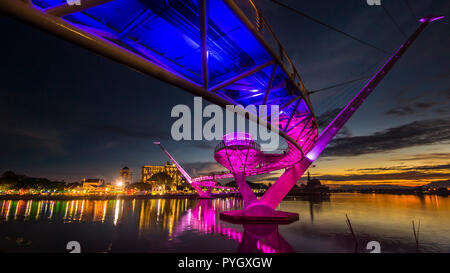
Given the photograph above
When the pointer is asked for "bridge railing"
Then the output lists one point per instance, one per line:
(261, 25)
(247, 143)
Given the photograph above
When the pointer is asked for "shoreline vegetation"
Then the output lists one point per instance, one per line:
(98, 197)
(21, 187)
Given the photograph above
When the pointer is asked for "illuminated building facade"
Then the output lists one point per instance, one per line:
(94, 185)
(150, 173)
(95, 182)
(125, 175)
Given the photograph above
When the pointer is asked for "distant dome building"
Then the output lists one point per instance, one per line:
(125, 175)
(313, 186)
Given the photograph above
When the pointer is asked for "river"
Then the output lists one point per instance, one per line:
(191, 225)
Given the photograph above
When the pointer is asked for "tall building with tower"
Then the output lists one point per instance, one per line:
(125, 175)
(168, 171)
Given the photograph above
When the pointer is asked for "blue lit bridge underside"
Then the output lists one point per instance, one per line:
(222, 50)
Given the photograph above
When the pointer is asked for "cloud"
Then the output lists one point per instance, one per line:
(411, 109)
(406, 168)
(412, 134)
(326, 117)
(38, 142)
(413, 99)
(344, 132)
(443, 110)
(432, 156)
(408, 175)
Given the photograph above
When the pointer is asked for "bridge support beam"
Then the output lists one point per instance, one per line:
(284, 184)
(246, 192)
(264, 208)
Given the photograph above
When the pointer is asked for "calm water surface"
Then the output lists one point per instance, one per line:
(190, 225)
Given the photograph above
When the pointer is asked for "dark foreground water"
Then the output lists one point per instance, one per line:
(190, 225)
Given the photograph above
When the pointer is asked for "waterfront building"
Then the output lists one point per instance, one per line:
(125, 175)
(167, 175)
(313, 187)
(92, 182)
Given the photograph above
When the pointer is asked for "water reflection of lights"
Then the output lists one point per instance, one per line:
(172, 216)
(68, 211)
(203, 218)
(118, 210)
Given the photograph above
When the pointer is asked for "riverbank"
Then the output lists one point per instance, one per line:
(439, 192)
(195, 196)
(104, 197)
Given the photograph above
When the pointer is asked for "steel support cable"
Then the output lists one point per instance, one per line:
(338, 85)
(394, 21)
(333, 101)
(343, 97)
(336, 101)
(339, 99)
(366, 71)
(336, 105)
(346, 96)
(329, 26)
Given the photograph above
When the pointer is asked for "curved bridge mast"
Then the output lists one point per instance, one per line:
(281, 187)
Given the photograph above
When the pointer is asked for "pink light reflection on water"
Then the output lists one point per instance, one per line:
(204, 219)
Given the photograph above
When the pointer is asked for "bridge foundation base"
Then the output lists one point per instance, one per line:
(259, 214)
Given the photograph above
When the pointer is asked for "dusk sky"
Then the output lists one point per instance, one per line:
(68, 114)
